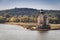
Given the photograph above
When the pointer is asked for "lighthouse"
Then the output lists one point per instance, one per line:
(42, 21)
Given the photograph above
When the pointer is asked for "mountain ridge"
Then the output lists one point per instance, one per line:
(27, 11)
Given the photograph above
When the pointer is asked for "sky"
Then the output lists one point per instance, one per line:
(36, 4)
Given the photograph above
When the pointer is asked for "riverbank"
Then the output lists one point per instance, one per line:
(32, 26)
(24, 25)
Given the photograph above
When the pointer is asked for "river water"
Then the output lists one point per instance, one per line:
(14, 32)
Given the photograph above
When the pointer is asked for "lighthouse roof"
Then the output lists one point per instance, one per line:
(42, 11)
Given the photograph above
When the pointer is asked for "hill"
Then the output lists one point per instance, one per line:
(27, 11)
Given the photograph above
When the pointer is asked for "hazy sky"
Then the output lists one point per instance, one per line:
(36, 4)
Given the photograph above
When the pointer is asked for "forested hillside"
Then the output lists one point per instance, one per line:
(26, 15)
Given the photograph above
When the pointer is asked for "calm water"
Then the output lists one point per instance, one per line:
(13, 32)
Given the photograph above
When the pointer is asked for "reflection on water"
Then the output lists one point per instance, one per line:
(42, 35)
(49, 35)
(13, 32)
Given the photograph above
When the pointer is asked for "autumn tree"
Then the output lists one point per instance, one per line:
(2, 19)
(13, 19)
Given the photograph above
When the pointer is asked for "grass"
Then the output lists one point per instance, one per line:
(55, 26)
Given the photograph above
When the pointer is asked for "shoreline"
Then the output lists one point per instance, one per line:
(32, 26)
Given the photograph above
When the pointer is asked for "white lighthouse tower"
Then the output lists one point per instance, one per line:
(42, 21)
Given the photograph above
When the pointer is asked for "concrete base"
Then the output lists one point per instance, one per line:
(44, 27)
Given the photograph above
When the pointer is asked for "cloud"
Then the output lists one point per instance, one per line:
(37, 4)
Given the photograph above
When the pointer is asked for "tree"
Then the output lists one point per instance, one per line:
(2, 19)
(13, 19)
